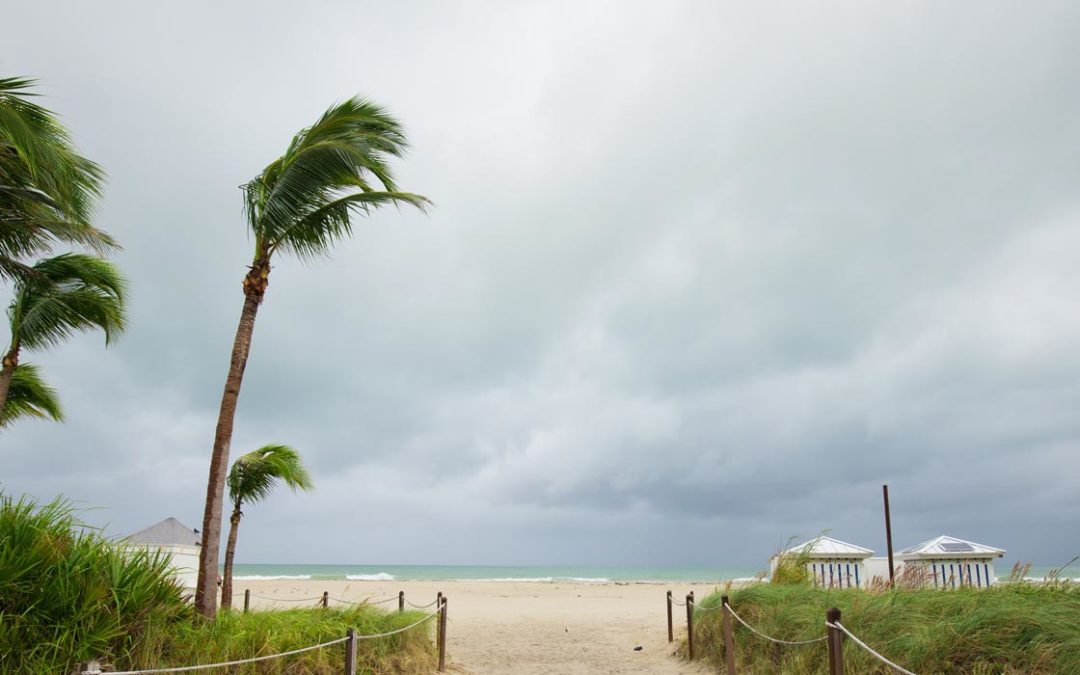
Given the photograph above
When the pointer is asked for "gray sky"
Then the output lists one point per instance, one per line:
(698, 278)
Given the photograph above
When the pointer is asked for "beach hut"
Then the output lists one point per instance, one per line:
(179, 541)
(832, 563)
(952, 562)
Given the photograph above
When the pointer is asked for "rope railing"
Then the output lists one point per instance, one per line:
(770, 638)
(350, 657)
(839, 626)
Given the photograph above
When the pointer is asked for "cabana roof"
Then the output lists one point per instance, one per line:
(950, 548)
(827, 547)
(169, 532)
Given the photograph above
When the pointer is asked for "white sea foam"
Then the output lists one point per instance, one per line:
(381, 576)
(272, 577)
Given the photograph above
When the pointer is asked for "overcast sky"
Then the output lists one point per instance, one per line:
(699, 276)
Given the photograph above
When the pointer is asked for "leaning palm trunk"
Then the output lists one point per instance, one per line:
(230, 552)
(254, 288)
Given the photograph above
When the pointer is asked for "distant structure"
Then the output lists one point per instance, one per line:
(952, 562)
(832, 563)
(179, 541)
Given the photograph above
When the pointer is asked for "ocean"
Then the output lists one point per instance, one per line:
(654, 575)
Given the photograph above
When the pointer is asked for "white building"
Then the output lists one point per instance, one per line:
(950, 562)
(179, 541)
(832, 563)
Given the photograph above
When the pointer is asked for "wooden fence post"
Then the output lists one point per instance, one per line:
(729, 635)
(350, 652)
(670, 629)
(836, 643)
(326, 599)
(247, 599)
(690, 624)
(401, 601)
(442, 636)
(438, 621)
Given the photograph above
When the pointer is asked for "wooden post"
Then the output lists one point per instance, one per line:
(350, 652)
(836, 643)
(729, 635)
(670, 628)
(247, 599)
(888, 536)
(401, 601)
(438, 621)
(442, 636)
(690, 624)
(326, 599)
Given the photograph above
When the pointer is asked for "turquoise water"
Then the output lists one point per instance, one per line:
(482, 572)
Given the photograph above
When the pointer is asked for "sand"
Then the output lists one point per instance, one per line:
(519, 628)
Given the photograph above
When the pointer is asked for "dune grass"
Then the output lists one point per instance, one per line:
(1010, 628)
(67, 595)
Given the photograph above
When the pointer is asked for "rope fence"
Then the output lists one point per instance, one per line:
(350, 640)
(834, 637)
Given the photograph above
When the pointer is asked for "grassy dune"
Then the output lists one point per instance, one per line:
(1014, 628)
(67, 596)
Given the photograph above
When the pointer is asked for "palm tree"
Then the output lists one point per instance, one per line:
(46, 188)
(63, 295)
(29, 396)
(302, 203)
(252, 478)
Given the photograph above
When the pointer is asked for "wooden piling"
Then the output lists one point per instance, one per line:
(690, 625)
(670, 628)
(247, 599)
(442, 636)
(325, 599)
(401, 601)
(350, 652)
(729, 635)
(836, 643)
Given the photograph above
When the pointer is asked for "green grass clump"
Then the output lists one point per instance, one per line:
(67, 596)
(1007, 629)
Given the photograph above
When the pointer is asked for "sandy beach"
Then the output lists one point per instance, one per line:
(519, 628)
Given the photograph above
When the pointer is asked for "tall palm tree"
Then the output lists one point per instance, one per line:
(47, 189)
(252, 478)
(63, 295)
(302, 203)
(29, 396)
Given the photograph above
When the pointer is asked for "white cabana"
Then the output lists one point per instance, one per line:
(831, 562)
(179, 541)
(952, 562)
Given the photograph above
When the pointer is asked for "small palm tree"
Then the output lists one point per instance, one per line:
(29, 396)
(64, 295)
(302, 203)
(252, 478)
(47, 190)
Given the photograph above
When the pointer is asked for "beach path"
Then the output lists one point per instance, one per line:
(523, 628)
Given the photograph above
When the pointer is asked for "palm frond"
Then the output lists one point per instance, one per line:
(30, 396)
(67, 294)
(255, 475)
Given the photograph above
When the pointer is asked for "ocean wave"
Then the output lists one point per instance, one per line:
(272, 577)
(381, 576)
(550, 580)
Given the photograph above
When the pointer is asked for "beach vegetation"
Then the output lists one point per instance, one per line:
(64, 295)
(1010, 628)
(68, 596)
(791, 565)
(252, 478)
(301, 204)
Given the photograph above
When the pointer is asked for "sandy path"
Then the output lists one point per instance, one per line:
(509, 628)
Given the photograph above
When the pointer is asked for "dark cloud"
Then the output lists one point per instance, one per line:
(695, 274)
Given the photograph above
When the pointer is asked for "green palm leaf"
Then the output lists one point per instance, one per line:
(254, 475)
(30, 396)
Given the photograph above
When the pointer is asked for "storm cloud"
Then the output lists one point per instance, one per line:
(698, 277)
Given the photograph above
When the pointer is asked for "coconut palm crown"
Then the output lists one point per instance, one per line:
(29, 396)
(64, 295)
(301, 204)
(252, 478)
(47, 189)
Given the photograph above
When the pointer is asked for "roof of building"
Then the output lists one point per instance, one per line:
(951, 547)
(827, 547)
(169, 532)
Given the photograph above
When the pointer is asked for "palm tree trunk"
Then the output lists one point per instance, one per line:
(11, 361)
(254, 288)
(230, 551)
